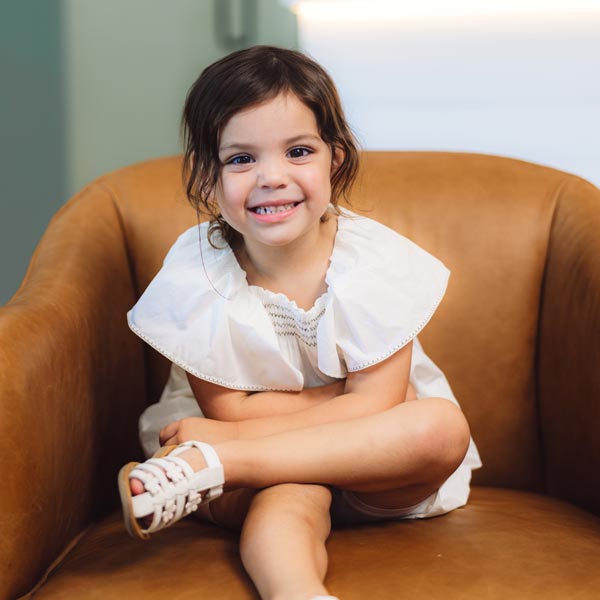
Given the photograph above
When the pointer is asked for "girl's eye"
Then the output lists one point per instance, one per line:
(240, 159)
(299, 152)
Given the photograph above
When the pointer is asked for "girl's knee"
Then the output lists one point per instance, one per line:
(307, 504)
(452, 431)
(442, 434)
(287, 509)
(297, 495)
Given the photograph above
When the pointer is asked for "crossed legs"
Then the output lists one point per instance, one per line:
(391, 459)
(404, 453)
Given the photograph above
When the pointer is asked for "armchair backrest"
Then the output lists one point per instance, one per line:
(518, 333)
(489, 219)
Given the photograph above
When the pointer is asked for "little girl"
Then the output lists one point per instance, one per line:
(291, 325)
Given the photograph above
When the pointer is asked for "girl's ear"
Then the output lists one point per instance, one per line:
(337, 158)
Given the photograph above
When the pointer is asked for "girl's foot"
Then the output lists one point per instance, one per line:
(192, 456)
(169, 486)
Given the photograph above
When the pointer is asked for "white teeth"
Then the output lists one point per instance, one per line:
(270, 210)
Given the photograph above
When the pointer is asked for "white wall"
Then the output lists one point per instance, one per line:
(526, 86)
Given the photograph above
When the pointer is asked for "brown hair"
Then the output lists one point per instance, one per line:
(246, 78)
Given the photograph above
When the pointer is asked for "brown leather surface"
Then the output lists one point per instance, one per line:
(569, 348)
(516, 236)
(515, 540)
(71, 388)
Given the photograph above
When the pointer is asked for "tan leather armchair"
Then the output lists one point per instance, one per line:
(518, 336)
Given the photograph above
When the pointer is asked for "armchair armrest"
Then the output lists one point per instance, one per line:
(569, 347)
(68, 366)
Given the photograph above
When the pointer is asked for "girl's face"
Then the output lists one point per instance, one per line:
(275, 181)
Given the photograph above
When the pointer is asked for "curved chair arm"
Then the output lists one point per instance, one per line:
(569, 347)
(68, 365)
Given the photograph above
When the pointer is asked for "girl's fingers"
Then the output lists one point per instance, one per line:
(168, 432)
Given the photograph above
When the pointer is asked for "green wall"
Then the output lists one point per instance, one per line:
(95, 85)
(33, 179)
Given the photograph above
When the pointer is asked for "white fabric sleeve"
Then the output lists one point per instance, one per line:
(198, 313)
(383, 289)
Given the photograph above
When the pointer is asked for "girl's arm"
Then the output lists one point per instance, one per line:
(224, 404)
(368, 391)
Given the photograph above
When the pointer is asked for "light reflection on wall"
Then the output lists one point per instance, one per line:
(372, 10)
(511, 78)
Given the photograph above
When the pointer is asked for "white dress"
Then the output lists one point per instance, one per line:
(200, 312)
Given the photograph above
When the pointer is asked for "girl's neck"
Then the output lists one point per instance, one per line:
(297, 270)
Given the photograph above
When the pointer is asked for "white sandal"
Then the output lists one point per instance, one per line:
(173, 489)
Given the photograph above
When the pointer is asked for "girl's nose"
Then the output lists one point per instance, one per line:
(272, 174)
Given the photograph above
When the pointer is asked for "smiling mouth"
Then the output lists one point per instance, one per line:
(271, 210)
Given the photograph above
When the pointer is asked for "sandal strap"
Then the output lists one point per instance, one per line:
(182, 496)
(161, 501)
(208, 452)
(212, 477)
(173, 489)
(179, 473)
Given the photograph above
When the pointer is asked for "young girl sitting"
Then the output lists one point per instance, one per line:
(291, 324)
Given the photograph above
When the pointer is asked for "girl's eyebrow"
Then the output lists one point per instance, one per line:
(303, 137)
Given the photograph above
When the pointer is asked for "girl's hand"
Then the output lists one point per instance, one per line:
(210, 431)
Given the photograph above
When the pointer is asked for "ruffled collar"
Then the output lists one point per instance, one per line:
(222, 266)
(200, 312)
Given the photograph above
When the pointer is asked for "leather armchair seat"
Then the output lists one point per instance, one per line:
(518, 336)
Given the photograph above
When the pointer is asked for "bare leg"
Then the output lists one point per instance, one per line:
(397, 457)
(410, 450)
(228, 510)
(284, 529)
(283, 541)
